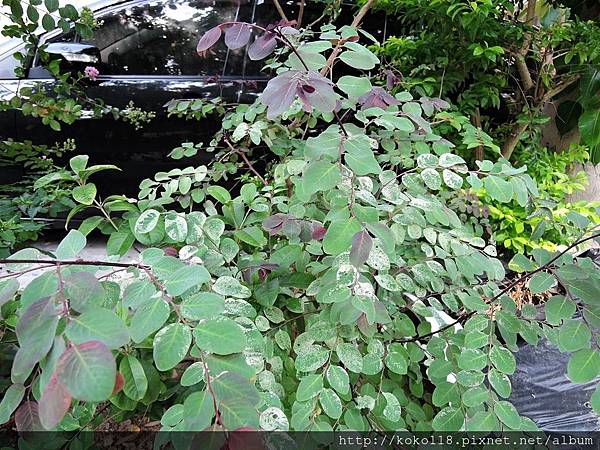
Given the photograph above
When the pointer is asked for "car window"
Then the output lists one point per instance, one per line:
(160, 38)
(8, 64)
(264, 13)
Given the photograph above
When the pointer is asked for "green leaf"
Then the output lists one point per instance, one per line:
(541, 282)
(484, 421)
(326, 144)
(448, 419)
(253, 236)
(135, 381)
(204, 305)
(119, 242)
(138, 293)
(78, 163)
(219, 193)
(354, 86)
(321, 176)
(500, 382)
(310, 386)
(520, 263)
(35, 332)
(8, 289)
(84, 291)
(350, 357)
(557, 308)
(503, 359)
(71, 245)
(98, 324)
(574, 335)
(432, 179)
(85, 194)
(198, 411)
(11, 399)
(310, 358)
(221, 336)
(186, 278)
(237, 398)
(507, 414)
(171, 345)
(498, 188)
(194, 374)
(397, 363)
(359, 156)
(88, 371)
(339, 235)
(231, 287)
(472, 359)
(584, 366)
(231, 363)
(147, 221)
(338, 379)
(358, 57)
(392, 408)
(149, 318)
(176, 227)
(331, 403)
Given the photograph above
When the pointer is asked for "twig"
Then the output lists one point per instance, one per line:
(505, 290)
(247, 161)
(300, 14)
(280, 10)
(338, 48)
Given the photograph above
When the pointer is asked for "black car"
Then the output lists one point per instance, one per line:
(148, 57)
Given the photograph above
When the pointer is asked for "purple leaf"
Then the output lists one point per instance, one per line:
(237, 35)
(209, 39)
(280, 92)
(54, 404)
(377, 98)
(361, 247)
(274, 223)
(391, 79)
(262, 46)
(314, 90)
(27, 417)
(88, 371)
(319, 233)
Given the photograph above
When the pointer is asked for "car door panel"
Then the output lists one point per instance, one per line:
(140, 69)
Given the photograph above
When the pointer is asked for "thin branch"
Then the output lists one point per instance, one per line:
(338, 48)
(74, 262)
(300, 14)
(247, 161)
(507, 288)
(280, 10)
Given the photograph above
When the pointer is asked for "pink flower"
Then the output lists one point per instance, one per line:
(91, 72)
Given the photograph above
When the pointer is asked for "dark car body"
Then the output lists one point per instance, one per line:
(148, 57)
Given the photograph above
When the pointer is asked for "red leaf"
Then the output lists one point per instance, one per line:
(27, 417)
(377, 98)
(262, 46)
(361, 247)
(209, 39)
(54, 404)
(237, 35)
(245, 438)
(319, 233)
(119, 382)
(171, 251)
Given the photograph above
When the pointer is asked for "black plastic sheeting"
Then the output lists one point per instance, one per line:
(542, 391)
